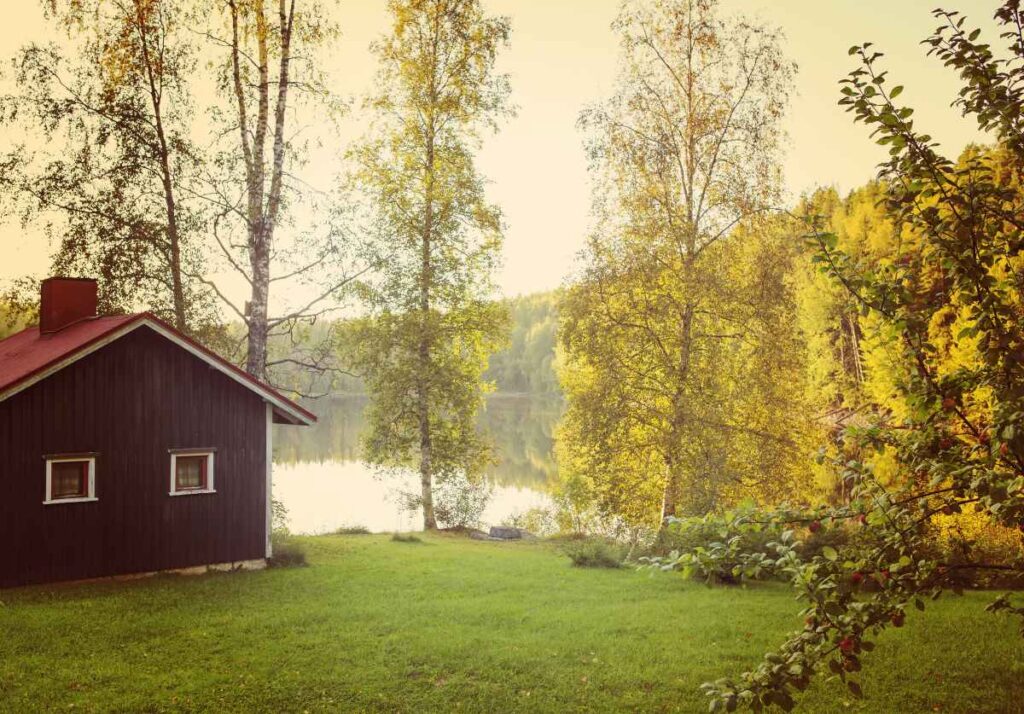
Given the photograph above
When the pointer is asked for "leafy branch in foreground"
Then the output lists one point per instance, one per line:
(956, 284)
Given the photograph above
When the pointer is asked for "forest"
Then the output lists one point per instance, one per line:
(825, 391)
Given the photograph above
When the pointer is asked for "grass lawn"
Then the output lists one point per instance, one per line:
(454, 624)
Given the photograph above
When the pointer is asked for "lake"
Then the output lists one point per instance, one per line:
(320, 479)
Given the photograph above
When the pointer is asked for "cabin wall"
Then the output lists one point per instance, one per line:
(130, 402)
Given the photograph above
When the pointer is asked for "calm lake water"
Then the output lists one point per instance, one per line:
(320, 479)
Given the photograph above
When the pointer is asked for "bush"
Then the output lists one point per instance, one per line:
(352, 530)
(538, 521)
(716, 548)
(287, 553)
(460, 502)
(960, 539)
(831, 535)
(594, 553)
(406, 538)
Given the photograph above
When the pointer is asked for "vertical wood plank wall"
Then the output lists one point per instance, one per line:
(130, 402)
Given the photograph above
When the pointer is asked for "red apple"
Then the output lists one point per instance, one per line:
(1004, 449)
(897, 619)
(948, 404)
(814, 526)
(847, 645)
(862, 519)
(857, 577)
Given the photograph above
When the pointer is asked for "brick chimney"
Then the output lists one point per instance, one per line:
(64, 301)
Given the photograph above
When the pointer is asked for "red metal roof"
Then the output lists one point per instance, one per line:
(28, 356)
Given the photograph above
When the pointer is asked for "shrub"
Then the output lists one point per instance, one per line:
(460, 502)
(538, 521)
(963, 538)
(406, 538)
(594, 553)
(352, 530)
(719, 548)
(287, 553)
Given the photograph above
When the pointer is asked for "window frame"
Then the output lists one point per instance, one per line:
(90, 496)
(209, 487)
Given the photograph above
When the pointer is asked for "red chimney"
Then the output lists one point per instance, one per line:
(64, 301)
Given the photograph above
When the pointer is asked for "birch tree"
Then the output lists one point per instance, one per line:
(268, 71)
(106, 165)
(670, 311)
(424, 349)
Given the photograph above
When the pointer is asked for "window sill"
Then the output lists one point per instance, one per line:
(196, 492)
(58, 501)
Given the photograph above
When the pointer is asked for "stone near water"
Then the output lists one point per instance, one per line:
(509, 533)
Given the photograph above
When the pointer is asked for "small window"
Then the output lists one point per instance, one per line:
(70, 479)
(191, 472)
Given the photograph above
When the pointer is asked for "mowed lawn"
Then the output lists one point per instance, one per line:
(458, 625)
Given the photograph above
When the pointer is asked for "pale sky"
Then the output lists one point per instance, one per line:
(563, 56)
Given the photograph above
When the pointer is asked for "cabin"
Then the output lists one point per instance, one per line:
(128, 448)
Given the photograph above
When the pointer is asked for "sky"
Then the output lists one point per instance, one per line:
(562, 57)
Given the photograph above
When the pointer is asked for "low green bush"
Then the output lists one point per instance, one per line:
(287, 553)
(406, 538)
(351, 530)
(594, 553)
(715, 548)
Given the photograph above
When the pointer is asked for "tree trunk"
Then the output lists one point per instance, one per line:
(259, 262)
(426, 441)
(670, 497)
(423, 394)
(262, 218)
(673, 478)
(155, 83)
(426, 473)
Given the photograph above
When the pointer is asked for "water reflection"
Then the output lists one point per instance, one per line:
(318, 475)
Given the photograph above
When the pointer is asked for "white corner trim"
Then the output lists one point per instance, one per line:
(270, 477)
(210, 484)
(48, 500)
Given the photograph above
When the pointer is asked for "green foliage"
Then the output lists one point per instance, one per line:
(406, 538)
(13, 318)
(351, 530)
(727, 548)
(594, 553)
(460, 502)
(435, 241)
(537, 521)
(681, 360)
(947, 305)
(287, 551)
(526, 365)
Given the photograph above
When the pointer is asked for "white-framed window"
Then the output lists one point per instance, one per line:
(70, 478)
(192, 471)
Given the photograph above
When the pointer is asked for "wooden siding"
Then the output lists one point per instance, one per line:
(130, 402)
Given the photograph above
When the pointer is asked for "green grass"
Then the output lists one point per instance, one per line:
(458, 625)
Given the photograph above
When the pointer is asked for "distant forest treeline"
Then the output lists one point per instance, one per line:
(524, 366)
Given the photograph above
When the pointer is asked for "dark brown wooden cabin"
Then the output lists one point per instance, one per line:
(127, 448)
